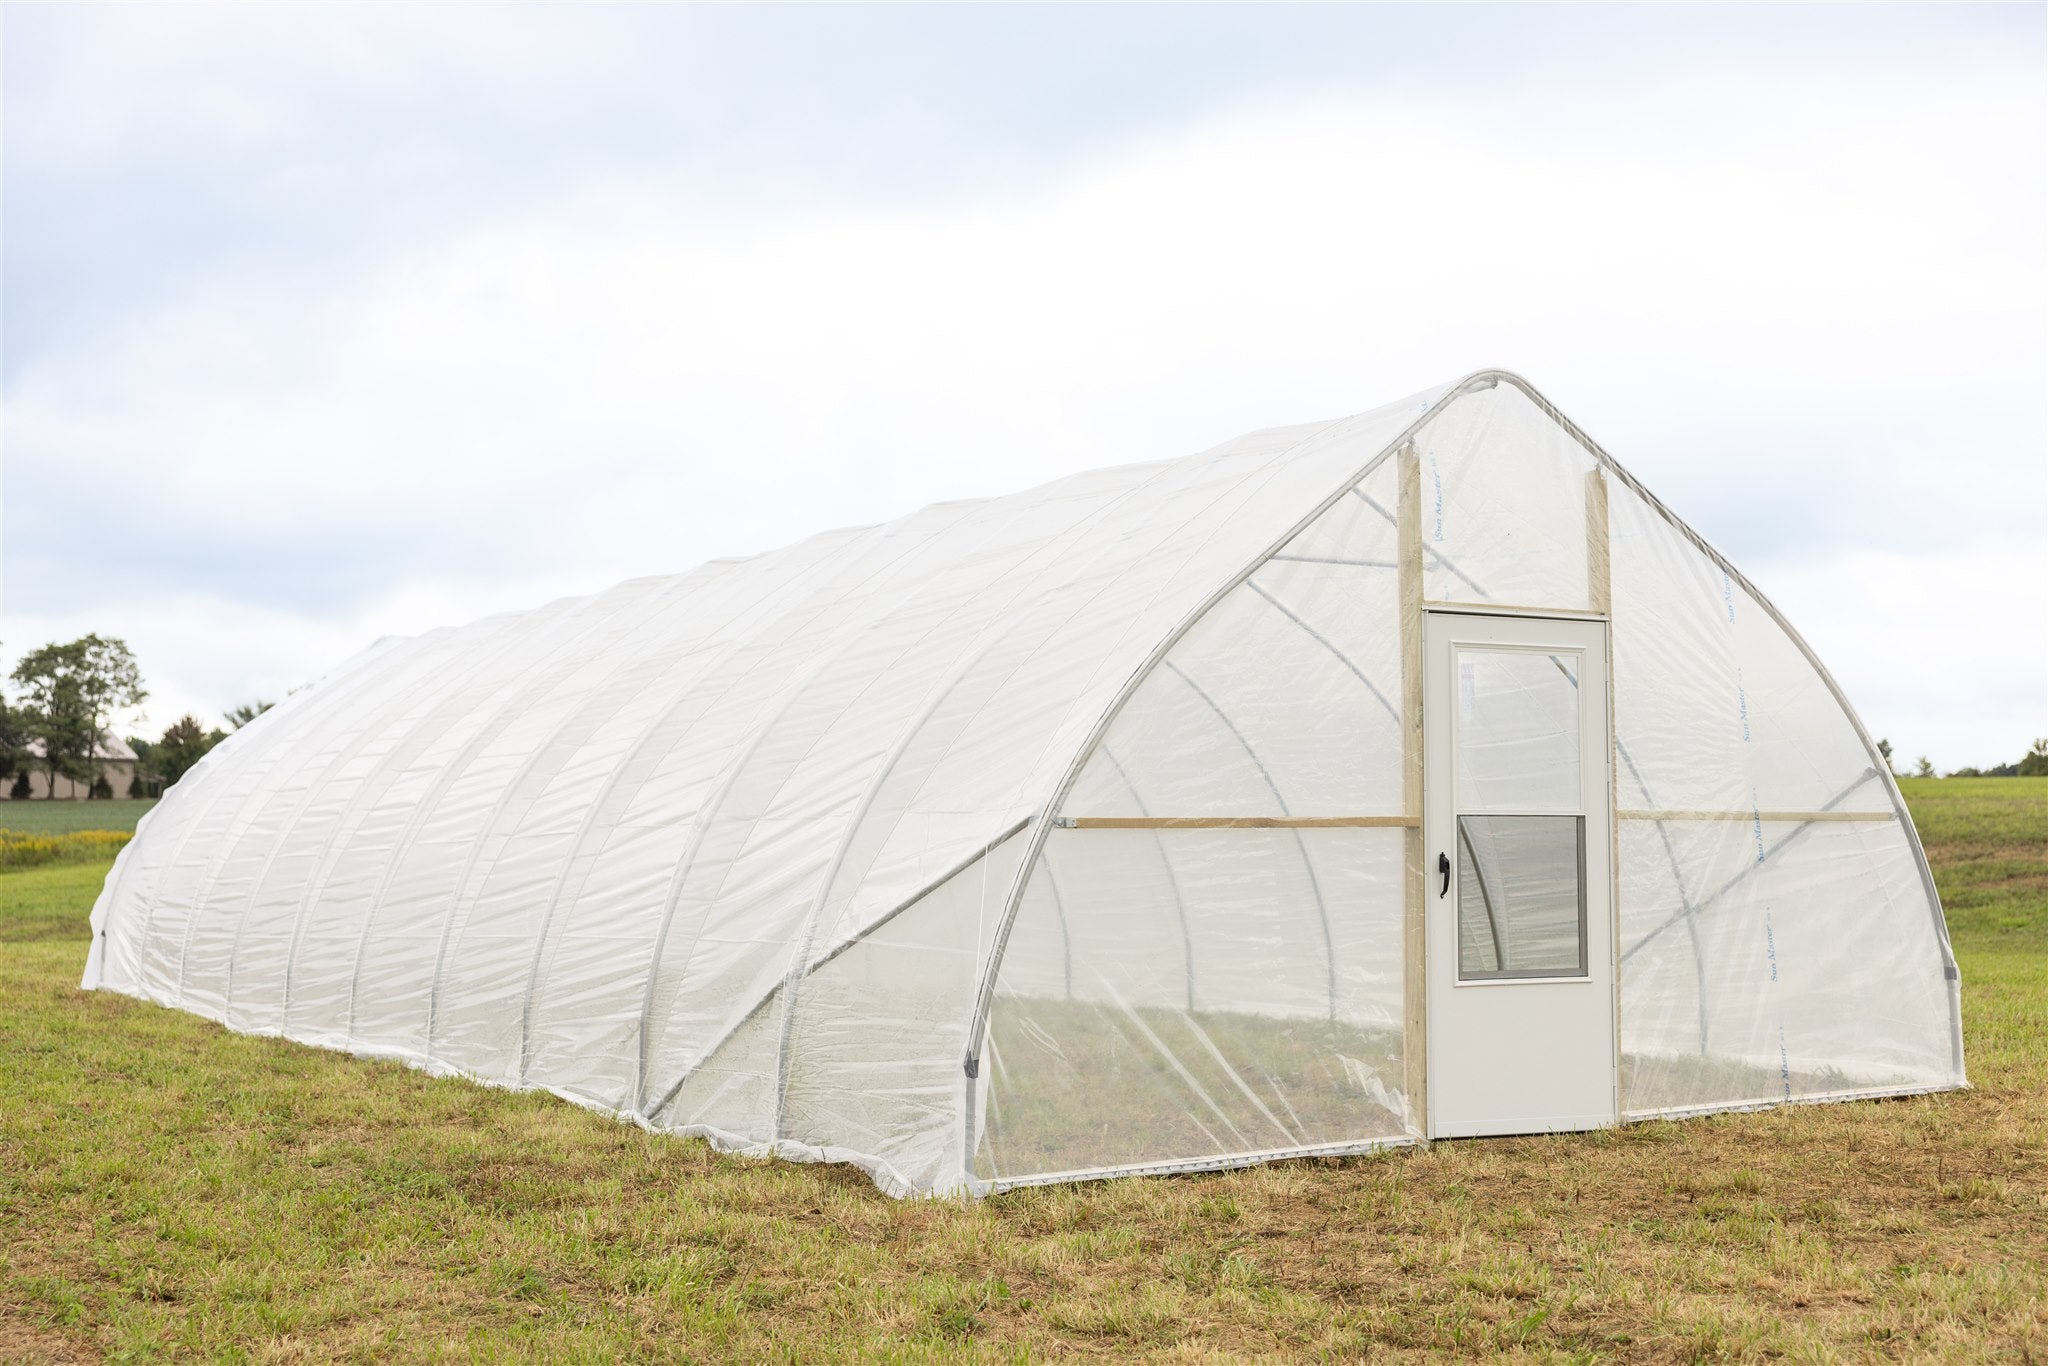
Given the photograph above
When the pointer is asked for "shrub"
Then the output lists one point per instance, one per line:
(20, 850)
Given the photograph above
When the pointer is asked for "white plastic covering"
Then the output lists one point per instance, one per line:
(818, 853)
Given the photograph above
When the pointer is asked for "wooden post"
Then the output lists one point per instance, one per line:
(1408, 527)
(1599, 583)
(1600, 597)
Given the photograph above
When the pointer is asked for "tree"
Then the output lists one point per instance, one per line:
(1884, 747)
(241, 716)
(57, 722)
(184, 744)
(1923, 769)
(73, 690)
(147, 782)
(2035, 764)
(14, 756)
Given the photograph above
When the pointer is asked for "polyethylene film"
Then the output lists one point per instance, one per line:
(1179, 994)
(1760, 993)
(1284, 700)
(1053, 833)
(1778, 937)
(1503, 529)
(1173, 995)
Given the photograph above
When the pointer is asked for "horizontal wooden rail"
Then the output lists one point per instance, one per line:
(1768, 817)
(1235, 822)
(1409, 822)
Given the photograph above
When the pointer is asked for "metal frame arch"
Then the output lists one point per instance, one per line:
(1482, 380)
(346, 823)
(462, 905)
(1041, 824)
(449, 775)
(1308, 865)
(205, 796)
(736, 632)
(324, 740)
(706, 815)
(1270, 462)
(991, 636)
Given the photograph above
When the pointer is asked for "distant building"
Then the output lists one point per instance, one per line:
(113, 761)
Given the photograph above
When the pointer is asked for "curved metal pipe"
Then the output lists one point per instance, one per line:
(1042, 825)
(1300, 845)
(1393, 711)
(1500, 952)
(1877, 761)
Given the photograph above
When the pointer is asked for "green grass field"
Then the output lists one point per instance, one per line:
(62, 818)
(172, 1191)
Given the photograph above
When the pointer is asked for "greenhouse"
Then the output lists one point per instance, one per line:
(1414, 775)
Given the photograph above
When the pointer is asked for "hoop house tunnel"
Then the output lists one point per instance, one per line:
(1094, 829)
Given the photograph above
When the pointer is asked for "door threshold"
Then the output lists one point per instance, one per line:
(1526, 1128)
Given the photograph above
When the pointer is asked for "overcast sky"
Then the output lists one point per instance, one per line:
(325, 324)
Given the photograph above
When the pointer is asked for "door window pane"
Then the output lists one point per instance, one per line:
(1521, 897)
(1517, 731)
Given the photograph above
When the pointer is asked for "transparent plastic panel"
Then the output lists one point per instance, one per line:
(589, 847)
(349, 963)
(583, 847)
(1766, 990)
(1716, 708)
(190, 887)
(1283, 700)
(580, 1019)
(1517, 733)
(325, 915)
(879, 1032)
(1188, 995)
(1778, 940)
(1503, 504)
(395, 995)
(1521, 897)
(732, 899)
(931, 725)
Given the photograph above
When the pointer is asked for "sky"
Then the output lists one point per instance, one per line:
(322, 324)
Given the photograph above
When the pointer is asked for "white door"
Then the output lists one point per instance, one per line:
(1518, 853)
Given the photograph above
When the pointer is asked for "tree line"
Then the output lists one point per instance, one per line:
(2032, 764)
(66, 697)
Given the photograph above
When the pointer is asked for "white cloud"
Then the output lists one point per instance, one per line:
(1795, 305)
(1945, 653)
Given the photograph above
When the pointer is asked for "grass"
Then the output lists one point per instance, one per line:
(172, 1191)
(64, 818)
(1987, 839)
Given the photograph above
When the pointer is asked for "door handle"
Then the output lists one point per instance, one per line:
(1443, 865)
